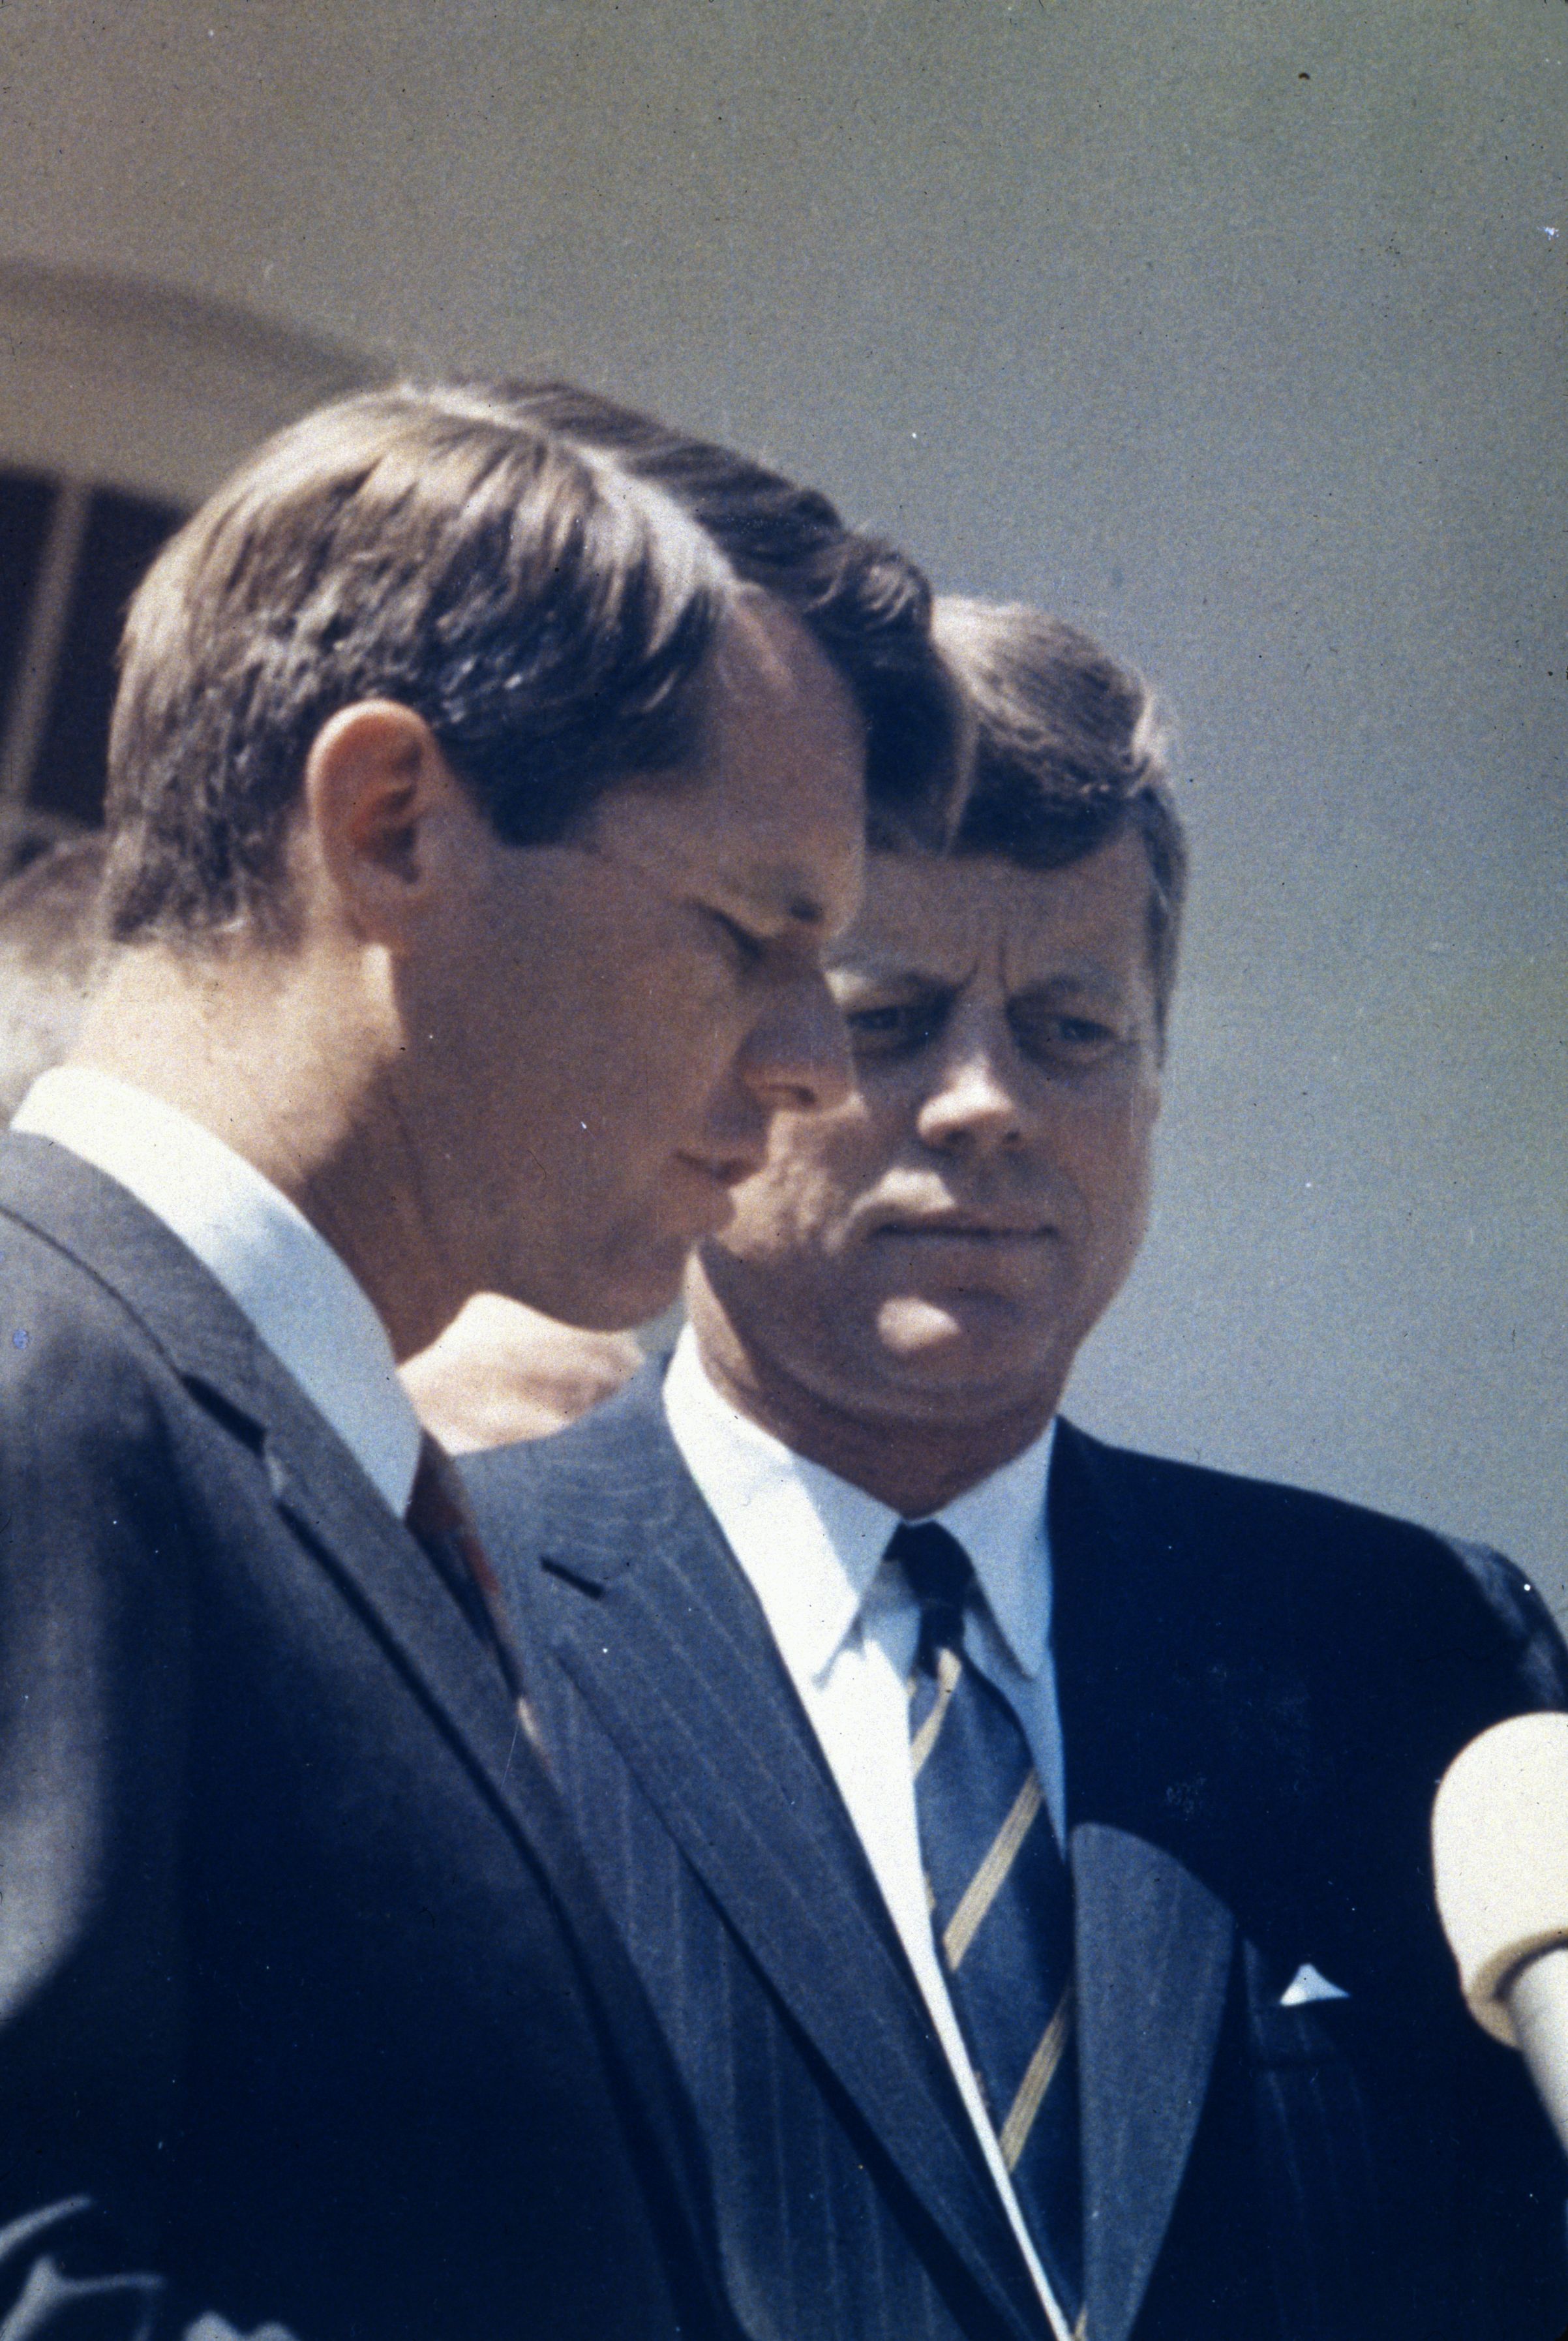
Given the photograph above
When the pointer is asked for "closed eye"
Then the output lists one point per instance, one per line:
(746, 948)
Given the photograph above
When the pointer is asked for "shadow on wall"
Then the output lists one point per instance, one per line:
(121, 405)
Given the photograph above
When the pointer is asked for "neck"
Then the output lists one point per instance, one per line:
(913, 1462)
(252, 1045)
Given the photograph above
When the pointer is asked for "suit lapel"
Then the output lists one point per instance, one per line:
(651, 1616)
(392, 1583)
(313, 1478)
(1154, 1943)
(344, 1523)
(1153, 1959)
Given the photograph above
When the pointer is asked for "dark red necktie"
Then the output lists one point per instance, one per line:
(439, 1519)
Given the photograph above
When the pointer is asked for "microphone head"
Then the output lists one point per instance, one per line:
(1500, 1855)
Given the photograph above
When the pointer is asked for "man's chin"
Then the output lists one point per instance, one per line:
(967, 1360)
(947, 1333)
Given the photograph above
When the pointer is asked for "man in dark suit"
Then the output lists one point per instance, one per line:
(475, 829)
(1025, 1841)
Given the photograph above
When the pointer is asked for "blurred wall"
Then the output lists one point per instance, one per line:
(1234, 332)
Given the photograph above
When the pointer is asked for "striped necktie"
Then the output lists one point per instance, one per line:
(1000, 1905)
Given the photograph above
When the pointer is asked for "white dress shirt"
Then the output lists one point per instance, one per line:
(846, 1628)
(306, 1306)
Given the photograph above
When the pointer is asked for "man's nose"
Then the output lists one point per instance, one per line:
(796, 1060)
(976, 1102)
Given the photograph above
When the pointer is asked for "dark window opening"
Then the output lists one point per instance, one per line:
(122, 535)
(26, 501)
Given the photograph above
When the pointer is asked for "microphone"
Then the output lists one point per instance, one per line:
(1500, 1855)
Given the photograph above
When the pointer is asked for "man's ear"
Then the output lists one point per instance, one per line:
(375, 781)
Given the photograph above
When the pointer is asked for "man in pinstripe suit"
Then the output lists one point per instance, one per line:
(1022, 1841)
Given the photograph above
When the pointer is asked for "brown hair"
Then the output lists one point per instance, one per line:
(865, 602)
(548, 615)
(1069, 751)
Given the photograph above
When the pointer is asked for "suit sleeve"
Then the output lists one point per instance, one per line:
(1537, 1659)
(95, 1673)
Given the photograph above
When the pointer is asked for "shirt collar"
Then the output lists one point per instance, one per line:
(1001, 1524)
(811, 1544)
(302, 1301)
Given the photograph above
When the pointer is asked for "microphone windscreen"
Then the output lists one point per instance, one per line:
(1500, 1855)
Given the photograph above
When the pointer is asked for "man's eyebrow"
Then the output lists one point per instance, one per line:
(1076, 984)
(881, 968)
(782, 895)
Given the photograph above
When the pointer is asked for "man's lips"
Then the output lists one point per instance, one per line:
(959, 1227)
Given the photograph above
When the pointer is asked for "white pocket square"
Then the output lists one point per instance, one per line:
(1306, 1985)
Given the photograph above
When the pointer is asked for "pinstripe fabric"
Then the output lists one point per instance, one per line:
(1245, 1767)
(1316, 2158)
(815, 2240)
(820, 2235)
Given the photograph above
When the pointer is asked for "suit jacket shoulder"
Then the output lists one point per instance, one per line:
(1295, 1662)
(310, 2014)
(1267, 1685)
(1332, 1549)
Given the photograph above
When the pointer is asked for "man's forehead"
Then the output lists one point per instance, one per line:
(769, 825)
(767, 877)
(927, 917)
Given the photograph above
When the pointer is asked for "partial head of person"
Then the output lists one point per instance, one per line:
(53, 952)
(905, 1283)
(502, 1372)
(476, 829)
